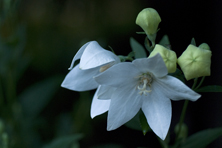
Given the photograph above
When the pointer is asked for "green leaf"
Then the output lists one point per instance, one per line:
(144, 125)
(202, 138)
(193, 42)
(37, 96)
(134, 123)
(137, 48)
(210, 88)
(65, 142)
(165, 41)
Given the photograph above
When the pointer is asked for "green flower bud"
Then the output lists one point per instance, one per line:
(148, 19)
(204, 46)
(195, 62)
(169, 57)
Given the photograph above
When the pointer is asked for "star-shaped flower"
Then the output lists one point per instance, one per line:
(93, 60)
(143, 84)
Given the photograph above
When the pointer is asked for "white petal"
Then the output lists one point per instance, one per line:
(118, 75)
(98, 106)
(125, 103)
(80, 80)
(154, 65)
(105, 92)
(174, 89)
(158, 111)
(79, 54)
(94, 56)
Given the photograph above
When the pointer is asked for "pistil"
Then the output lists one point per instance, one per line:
(145, 80)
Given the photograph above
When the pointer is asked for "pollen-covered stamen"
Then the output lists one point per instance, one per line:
(105, 67)
(145, 81)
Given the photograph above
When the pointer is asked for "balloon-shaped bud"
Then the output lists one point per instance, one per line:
(169, 57)
(148, 19)
(195, 61)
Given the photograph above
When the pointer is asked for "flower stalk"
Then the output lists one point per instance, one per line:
(201, 81)
(182, 116)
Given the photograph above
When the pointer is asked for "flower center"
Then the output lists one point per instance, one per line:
(144, 84)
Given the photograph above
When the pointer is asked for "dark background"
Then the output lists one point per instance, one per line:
(56, 29)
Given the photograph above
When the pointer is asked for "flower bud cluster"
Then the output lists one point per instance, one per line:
(194, 62)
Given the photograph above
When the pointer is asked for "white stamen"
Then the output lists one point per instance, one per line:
(145, 80)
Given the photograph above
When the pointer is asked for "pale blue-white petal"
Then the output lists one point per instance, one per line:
(94, 55)
(174, 89)
(125, 103)
(98, 106)
(105, 92)
(80, 80)
(79, 54)
(153, 64)
(158, 111)
(118, 75)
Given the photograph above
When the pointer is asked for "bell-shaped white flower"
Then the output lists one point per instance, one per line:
(101, 100)
(143, 84)
(93, 60)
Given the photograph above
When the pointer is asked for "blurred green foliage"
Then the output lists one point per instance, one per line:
(38, 39)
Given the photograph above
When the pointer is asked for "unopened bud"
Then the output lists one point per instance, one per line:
(148, 19)
(169, 57)
(195, 62)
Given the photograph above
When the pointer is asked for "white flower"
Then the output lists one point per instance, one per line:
(93, 60)
(99, 106)
(143, 84)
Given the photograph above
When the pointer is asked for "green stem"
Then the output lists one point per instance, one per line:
(163, 143)
(200, 83)
(182, 116)
(195, 83)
